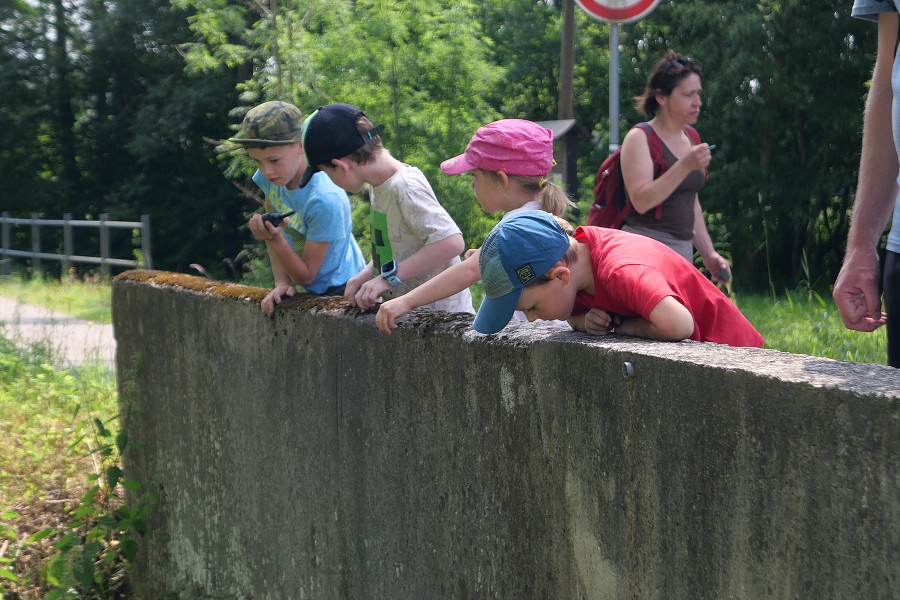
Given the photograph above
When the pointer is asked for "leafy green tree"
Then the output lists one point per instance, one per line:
(783, 102)
(419, 68)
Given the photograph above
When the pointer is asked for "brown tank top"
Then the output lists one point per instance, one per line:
(677, 210)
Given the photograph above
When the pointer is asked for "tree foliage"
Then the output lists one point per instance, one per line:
(111, 106)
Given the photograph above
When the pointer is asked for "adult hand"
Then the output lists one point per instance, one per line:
(698, 158)
(389, 312)
(856, 292)
(275, 297)
(718, 267)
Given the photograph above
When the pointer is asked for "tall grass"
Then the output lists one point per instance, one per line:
(52, 463)
(87, 298)
(808, 323)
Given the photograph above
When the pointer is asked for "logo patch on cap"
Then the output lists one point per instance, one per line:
(525, 273)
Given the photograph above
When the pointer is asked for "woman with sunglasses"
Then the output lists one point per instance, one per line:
(666, 206)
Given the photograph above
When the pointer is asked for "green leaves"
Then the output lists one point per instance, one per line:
(87, 555)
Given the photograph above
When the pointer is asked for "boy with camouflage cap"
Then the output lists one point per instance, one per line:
(413, 236)
(271, 134)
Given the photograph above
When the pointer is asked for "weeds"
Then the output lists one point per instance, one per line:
(68, 531)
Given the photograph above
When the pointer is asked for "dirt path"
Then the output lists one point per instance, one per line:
(70, 340)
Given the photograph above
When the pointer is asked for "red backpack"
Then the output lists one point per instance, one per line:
(610, 205)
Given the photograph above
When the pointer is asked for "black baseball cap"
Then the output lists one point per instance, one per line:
(331, 133)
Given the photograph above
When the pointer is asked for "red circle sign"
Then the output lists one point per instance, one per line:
(618, 11)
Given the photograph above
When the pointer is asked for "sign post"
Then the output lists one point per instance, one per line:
(615, 12)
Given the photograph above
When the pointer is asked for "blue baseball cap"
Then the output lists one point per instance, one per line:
(331, 133)
(516, 252)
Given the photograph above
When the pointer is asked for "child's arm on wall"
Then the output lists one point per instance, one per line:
(301, 269)
(427, 258)
(445, 284)
(669, 320)
(284, 288)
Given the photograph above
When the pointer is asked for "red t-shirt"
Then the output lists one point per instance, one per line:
(633, 273)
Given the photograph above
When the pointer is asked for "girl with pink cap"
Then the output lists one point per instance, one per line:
(510, 161)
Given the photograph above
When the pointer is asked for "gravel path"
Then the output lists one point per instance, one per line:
(70, 340)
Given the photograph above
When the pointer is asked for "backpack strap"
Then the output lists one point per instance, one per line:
(692, 133)
(695, 139)
(654, 144)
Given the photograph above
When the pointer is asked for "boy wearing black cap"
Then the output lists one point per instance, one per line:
(271, 134)
(413, 237)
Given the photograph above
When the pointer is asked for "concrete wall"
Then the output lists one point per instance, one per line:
(309, 456)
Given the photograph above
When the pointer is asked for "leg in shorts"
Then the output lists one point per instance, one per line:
(892, 306)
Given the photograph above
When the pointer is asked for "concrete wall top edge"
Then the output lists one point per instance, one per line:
(859, 378)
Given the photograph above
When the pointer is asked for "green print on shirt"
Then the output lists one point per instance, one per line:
(381, 242)
(295, 231)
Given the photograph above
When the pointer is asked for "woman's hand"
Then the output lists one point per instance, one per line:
(698, 158)
(718, 267)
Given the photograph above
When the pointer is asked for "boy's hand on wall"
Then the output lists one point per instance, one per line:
(389, 312)
(369, 293)
(275, 297)
(599, 322)
(355, 282)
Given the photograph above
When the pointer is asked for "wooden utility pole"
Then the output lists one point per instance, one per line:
(565, 109)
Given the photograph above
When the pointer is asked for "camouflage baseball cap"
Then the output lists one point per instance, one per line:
(270, 124)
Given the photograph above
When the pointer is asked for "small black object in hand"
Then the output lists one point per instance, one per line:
(275, 218)
(725, 274)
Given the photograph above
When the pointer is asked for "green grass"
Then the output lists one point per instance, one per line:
(87, 299)
(51, 457)
(43, 410)
(807, 323)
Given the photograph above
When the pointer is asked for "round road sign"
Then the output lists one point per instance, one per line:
(618, 11)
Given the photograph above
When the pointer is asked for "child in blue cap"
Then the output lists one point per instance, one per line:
(601, 281)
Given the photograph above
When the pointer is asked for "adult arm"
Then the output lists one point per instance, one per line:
(644, 191)
(856, 291)
(446, 283)
(712, 260)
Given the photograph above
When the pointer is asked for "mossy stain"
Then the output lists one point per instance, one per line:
(225, 289)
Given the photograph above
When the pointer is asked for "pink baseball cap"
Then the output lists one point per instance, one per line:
(514, 146)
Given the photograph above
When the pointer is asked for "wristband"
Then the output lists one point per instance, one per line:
(389, 273)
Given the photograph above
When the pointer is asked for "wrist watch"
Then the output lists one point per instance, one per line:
(389, 272)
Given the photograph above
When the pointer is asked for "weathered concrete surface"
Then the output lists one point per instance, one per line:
(309, 456)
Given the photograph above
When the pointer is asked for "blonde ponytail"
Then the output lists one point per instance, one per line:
(554, 199)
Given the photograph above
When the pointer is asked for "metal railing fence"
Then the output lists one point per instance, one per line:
(67, 258)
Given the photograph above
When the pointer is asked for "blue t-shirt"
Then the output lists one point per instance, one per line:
(869, 10)
(323, 215)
